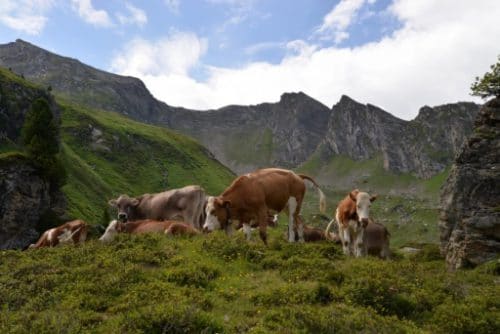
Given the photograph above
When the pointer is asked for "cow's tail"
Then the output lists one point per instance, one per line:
(322, 197)
(328, 236)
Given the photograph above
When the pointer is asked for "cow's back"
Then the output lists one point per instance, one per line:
(150, 226)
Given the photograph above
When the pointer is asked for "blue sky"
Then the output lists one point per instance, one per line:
(209, 53)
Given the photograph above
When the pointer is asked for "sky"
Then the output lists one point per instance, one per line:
(205, 54)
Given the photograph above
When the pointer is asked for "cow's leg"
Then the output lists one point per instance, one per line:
(248, 231)
(298, 221)
(346, 240)
(262, 222)
(358, 244)
(292, 205)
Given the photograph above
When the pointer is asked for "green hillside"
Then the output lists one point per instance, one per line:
(107, 154)
(216, 284)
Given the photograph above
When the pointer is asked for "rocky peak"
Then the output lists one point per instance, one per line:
(470, 198)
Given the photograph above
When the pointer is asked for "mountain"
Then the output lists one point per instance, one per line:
(296, 132)
(104, 153)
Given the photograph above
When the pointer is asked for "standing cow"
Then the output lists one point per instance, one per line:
(251, 197)
(186, 203)
(71, 232)
(352, 216)
(376, 240)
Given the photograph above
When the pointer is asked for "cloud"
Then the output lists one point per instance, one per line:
(339, 19)
(173, 55)
(27, 16)
(135, 16)
(431, 59)
(96, 17)
(173, 5)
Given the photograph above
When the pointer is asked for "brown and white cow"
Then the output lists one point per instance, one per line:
(168, 227)
(186, 203)
(251, 197)
(352, 216)
(74, 232)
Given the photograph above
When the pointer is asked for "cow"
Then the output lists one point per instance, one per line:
(134, 227)
(186, 203)
(313, 234)
(352, 216)
(251, 197)
(74, 232)
(376, 240)
(178, 228)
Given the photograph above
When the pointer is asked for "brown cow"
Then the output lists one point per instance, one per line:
(71, 232)
(376, 240)
(135, 227)
(186, 203)
(352, 216)
(313, 234)
(179, 228)
(251, 197)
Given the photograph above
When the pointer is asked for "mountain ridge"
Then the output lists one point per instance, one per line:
(286, 133)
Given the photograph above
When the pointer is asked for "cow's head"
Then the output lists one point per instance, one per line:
(217, 214)
(363, 202)
(125, 206)
(112, 230)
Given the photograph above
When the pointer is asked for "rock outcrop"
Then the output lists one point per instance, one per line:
(470, 198)
(24, 198)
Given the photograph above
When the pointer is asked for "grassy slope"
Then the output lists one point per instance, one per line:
(218, 284)
(125, 156)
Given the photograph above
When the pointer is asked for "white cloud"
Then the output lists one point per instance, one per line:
(174, 55)
(96, 17)
(27, 16)
(339, 19)
(432, 59)
(173, 5)
(135, 16)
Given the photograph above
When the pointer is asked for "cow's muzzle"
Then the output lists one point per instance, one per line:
(122, 217)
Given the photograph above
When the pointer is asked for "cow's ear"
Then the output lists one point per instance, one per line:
(373, 198)
(353, 194)
(134, 202)
(112, 202)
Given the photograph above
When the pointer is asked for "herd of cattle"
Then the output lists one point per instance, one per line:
(252, 201)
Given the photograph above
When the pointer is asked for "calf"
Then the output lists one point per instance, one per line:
(186, 203)
(135, 227)
(71, 232)
(181, 229)
(376, 240)
(352, 216)
(313, 234)
(253, 196)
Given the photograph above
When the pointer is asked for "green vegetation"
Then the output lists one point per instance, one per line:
(489, 84)
(107, 154)
(218, 284)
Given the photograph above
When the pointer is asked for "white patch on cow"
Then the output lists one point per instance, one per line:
(65, 236)
(248, 231)
(211, 221)
(275, 219)
(51, 235)
(363, 204)
(110, 232)
(292, 205)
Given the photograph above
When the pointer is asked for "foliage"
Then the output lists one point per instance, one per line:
(489, 84)
(40, 136)
(214, 283)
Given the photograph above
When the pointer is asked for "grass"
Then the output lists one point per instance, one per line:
(220, 284)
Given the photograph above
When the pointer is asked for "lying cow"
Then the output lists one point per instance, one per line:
(352, 216)
(74, 232)
(145, 226)
(186, 203)
(253, 196)
(313, 234)
(181, 229)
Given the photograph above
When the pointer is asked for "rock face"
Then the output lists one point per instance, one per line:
(24, 197)
(285, 134)
(423, 146)
(470, 198)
